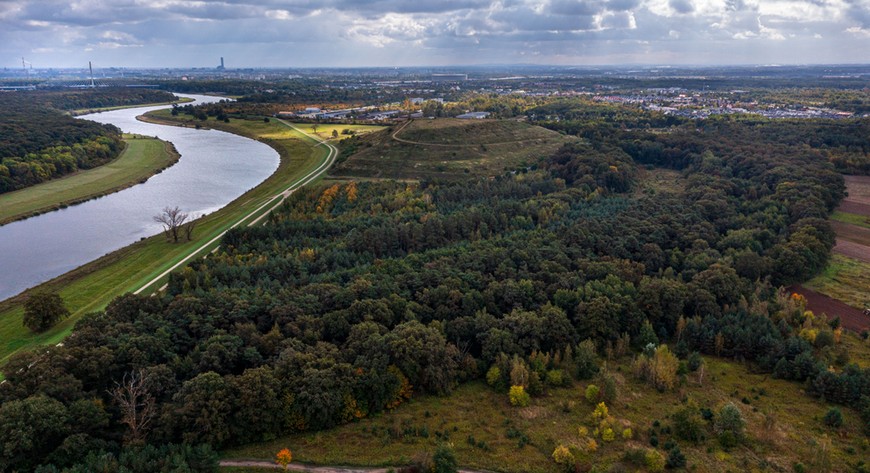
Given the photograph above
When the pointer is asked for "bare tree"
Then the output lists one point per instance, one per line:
(172, 219)
(188, 229)
(137, 405)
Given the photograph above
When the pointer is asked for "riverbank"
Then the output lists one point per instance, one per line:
(92, 286)
(142, 158)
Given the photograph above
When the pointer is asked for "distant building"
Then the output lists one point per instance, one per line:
(473, 115)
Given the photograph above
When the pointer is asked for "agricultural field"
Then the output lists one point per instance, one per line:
(446, 148)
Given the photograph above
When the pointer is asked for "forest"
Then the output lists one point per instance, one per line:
(40, 141)
(355, 297)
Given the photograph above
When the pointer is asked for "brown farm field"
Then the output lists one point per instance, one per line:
(859, 189)
(446, 148)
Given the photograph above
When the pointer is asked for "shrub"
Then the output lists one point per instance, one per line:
(627, 434)
(688, 424)
(493, 376)
(563, 456)
(600, 413)
(730, 421)
(518, 396)
(444, 461)
(654, 461)
(556, 378)
(609, 391)
(675, 459)
(608, 435)
(833, 418)
(592, 392)
(284, 457)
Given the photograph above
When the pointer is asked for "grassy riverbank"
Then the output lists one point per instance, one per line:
(142, 158)
(90, 287)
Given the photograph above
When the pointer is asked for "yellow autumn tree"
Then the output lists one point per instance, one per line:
(351, 191)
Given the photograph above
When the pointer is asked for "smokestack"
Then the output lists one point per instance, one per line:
(222, 62)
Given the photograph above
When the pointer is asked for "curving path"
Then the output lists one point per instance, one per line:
(269, 205)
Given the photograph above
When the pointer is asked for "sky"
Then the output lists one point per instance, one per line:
(357, 33)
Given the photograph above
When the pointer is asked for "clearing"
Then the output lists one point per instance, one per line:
(446, 148)
(784, 426)
(142, 158)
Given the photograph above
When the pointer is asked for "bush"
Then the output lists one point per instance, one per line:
(833, 418)
(729, 426)
(609, 391)
(518, 396)
(444, 461)
(654, 460)
(563, 456)
(688, 424)
(556, 378)
(675, 459)
(627, 434)
(592, 393)
(493, 377)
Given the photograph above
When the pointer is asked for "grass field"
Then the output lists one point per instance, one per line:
(446, 148)
(90, 287)
(792, 432)
(324, 130)
(845, 279)
(142, 158)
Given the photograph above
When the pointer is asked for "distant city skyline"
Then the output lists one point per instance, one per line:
(348, 33)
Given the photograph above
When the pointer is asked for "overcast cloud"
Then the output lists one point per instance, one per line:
(300, 33)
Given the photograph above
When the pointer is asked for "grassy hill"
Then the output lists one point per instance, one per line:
(446, 148)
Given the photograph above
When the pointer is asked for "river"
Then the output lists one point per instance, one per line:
(215, 168)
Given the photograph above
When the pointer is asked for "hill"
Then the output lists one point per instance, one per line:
(446, 148)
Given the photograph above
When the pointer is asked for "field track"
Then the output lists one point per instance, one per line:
(850, 317)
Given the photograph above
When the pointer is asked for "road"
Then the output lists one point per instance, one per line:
(269, 205)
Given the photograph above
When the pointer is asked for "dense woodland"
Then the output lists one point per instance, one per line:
(356, 296)
(39, 141)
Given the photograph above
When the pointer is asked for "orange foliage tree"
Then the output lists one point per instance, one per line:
(284, 457)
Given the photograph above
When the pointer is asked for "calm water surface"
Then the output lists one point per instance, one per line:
(215, 168)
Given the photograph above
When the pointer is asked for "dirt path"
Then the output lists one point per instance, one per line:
(850, 317)
(317, 469)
